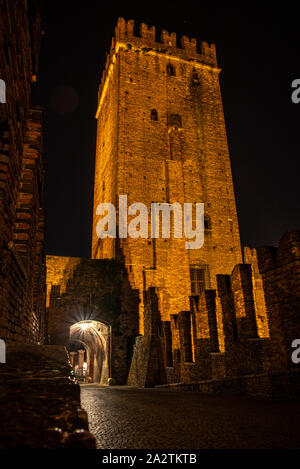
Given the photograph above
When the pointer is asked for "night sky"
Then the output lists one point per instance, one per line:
(259, 52)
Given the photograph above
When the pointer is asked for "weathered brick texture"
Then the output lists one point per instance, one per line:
(93, 290)
(161, 138)
(258, 350)
(181, 156)
(22, 257)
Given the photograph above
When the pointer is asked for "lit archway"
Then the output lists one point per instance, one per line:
(93, 359)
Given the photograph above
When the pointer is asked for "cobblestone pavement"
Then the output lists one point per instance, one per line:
(130, 418)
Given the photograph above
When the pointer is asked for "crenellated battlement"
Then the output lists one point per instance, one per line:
(124, 28)
(168, 39)
(148, 34)
(125, 31)
(146, 41)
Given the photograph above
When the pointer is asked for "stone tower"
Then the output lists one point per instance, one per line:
(161, 138)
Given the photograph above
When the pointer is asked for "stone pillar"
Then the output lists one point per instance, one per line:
(262, 320)
(80, 359)
(151, 370)
(91, 364)
(226, 301)
(185, 336)
(72, 358)
(167, 335)
(241, 281)
(206, 321)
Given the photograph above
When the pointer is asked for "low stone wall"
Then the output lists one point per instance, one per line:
(40, 400)
(277, 385)
(147, 365)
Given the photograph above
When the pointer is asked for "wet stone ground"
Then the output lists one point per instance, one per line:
(130, 418)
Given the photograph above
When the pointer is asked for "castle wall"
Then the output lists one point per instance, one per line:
(244, 352)
(182, 156)
(216, 346)
(93, 290)
(279, 269)
(22, 261)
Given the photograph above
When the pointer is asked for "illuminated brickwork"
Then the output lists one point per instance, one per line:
(204, 316)
(161, 138)
(22, 256)
(93, 290)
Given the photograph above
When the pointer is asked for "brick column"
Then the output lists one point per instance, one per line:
(80, 358)
(184, 318)
(167, 335)
(241, 281)
(206, 321)
(226, 300)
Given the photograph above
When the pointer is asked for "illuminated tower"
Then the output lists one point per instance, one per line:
(161, 138)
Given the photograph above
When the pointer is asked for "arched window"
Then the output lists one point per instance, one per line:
(154, 115)
(174, 120)
(170, 70)
(198, 281)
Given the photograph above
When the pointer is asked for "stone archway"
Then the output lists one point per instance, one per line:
(95, 338)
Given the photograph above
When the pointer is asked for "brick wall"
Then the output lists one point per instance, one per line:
(220, 342)
(180, 157)
(93, 290)
(161, 138)
(231, 316)
(279, 271)
(22, 261)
